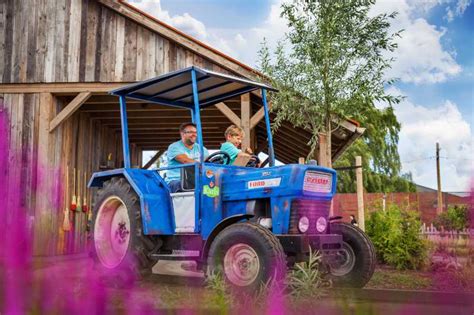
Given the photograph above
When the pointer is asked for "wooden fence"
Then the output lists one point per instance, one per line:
(447, 238)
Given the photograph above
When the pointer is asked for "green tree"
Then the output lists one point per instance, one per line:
(331, 66)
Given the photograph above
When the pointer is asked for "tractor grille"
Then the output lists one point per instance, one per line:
(311, 208)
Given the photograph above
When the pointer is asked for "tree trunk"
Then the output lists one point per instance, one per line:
(325, 158)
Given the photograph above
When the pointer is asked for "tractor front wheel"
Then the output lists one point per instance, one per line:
(247, 255)
(355, 262)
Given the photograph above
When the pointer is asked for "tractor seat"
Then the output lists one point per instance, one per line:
(188, 177)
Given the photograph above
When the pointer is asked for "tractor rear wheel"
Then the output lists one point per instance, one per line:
(247, 255)
(120, 249)
(356, 259)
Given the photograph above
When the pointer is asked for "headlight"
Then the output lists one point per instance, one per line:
(303, 224)
(321, 224)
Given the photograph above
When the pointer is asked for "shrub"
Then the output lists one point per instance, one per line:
(395, 234)
(456, 218)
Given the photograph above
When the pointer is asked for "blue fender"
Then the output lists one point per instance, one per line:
(219, 227)
(156, 208)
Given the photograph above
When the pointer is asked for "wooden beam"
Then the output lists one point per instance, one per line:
(245, 119)
(256, 118)
(152, 160)
(69, 110)
(228, 113)
(358, 133)
(60, 88)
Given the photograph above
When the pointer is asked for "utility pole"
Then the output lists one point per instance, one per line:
(438, 173)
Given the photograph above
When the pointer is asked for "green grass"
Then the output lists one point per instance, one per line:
(385, 278)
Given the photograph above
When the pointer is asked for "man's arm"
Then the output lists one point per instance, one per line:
(184, 159)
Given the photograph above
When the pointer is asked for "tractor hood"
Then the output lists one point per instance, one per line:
(280, 181)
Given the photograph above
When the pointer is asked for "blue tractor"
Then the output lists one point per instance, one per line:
(248, 223)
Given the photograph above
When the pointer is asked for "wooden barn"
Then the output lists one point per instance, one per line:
(58, 60)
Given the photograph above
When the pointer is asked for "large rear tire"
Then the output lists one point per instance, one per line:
(356, 260)
(247, 255)
(120, 249)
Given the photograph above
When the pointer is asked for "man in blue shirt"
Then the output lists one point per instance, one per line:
(183, 151)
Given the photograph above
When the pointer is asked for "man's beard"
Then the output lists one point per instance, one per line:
(189, 142)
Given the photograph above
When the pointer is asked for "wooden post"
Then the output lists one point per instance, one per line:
(360, 193)
(245, 120)
(323, 159)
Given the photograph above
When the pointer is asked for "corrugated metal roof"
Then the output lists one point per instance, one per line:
(175, 88)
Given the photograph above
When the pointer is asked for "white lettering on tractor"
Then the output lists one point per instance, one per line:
(317, 182)
(261, 183)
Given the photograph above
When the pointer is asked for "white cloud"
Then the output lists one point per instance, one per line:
(189, 25)
(420, 57)
(457, 10)
(185, 23)
(421, 128)
(244, 44)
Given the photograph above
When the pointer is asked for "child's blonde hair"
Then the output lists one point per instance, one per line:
(234, 130)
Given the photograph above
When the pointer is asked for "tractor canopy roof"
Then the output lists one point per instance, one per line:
(176, 88)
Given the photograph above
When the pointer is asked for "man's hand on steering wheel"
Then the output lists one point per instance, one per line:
(219, 157)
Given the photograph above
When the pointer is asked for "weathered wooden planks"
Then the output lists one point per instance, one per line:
(83, 41)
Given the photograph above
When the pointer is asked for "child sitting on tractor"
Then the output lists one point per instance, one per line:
(233, 136)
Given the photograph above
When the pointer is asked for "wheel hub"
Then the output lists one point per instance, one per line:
(112, 232)
(345, 261)
(241, 264)
(121, 234)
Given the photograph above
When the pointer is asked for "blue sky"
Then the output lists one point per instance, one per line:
(434, 62)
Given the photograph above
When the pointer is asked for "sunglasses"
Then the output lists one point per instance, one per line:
(190, 132)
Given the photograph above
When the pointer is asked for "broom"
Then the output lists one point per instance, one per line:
(89, 215)
(66, 221)
(74, 202)
(85, 208)
(79, 190)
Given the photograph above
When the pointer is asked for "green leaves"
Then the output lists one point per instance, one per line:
(306, 280)
(456, 218)
(395, 234)
(333, 62)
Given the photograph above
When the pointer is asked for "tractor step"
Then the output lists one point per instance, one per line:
(178, 255)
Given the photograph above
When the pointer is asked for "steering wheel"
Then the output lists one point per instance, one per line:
(254, 161)
(219, 157)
